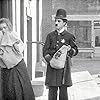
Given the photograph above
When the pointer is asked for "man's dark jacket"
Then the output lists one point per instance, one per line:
(53, 42)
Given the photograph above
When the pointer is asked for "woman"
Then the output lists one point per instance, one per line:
(15, 80)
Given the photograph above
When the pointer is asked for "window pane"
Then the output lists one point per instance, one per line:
(82, 32)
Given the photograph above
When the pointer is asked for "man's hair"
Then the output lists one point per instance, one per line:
(64, 20)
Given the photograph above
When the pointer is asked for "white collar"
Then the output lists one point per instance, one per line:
(60, 31)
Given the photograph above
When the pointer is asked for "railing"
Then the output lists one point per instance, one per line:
(80, 49)
(37, 42)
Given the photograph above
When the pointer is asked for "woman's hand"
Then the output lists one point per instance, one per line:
(16, 47)
(19, 46)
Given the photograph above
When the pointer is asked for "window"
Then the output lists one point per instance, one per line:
(82, 32)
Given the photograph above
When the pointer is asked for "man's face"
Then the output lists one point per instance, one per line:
(59, 24)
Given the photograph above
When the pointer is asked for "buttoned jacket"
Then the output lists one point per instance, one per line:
(54, 77)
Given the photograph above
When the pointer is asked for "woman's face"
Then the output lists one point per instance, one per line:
(59, 24)
(4, 28)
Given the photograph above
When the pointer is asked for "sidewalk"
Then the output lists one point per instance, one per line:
(90, 65)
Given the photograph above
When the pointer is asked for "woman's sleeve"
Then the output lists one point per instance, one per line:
(2, 64)
(18, 45)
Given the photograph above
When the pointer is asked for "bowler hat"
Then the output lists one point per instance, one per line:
(61, 13)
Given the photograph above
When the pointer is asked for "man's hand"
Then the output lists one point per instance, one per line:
(48, 58)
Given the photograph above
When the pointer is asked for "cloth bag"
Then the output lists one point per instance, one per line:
(11, 56)
(59, 58)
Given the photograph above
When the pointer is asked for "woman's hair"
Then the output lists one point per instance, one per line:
(8, 23)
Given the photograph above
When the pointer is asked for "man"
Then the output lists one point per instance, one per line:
(59, 78)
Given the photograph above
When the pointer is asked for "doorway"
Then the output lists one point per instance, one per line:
(97, 38)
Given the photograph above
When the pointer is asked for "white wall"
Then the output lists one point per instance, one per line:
(34, 34)
(30, 10)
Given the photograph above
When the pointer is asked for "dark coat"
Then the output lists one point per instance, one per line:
(16, 84)
(53, 42)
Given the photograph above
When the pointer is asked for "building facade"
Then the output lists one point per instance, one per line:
(34, 19)
(83, 21)
(22, 14)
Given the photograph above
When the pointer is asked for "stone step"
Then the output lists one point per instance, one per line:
(84, 87)
(38, 86)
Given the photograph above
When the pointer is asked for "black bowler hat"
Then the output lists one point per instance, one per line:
(61, 13)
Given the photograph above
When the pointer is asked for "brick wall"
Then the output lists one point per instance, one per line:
(77, 6)
(46, 18)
